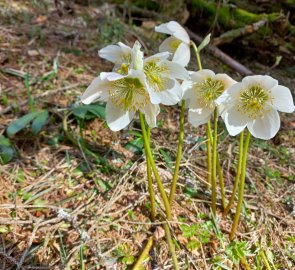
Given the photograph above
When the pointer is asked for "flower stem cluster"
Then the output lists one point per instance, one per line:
(137, 85)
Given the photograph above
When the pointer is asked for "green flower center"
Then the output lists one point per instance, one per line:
(174, 45)
(129, 93)
(208, 91)
(253, 101)
(124, 65)
(154, 75)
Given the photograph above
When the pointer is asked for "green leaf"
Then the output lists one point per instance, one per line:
(4, 141)
(167, 158)
(21, 123)
(39, 121)
(128, 259)
(135, 146)
(6, 154)
(204, 43)
(89, 111)
(193, 245)
(189, 231)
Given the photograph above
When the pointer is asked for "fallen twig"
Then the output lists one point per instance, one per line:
(229, 36)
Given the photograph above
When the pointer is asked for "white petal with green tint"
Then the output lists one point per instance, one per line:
(175, 29)
(97, 90)
(151, 111)
(170, 44)
(176, 70)
(267, 126)
(117, 118)
(182, 54)
(235, 121)
(282, 99)
(111, 53)
(200, 116)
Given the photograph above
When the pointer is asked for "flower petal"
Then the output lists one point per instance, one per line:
(111, 53)
(266, 127)
(182, 54)
(111, 76)
(202, 75)
(158, 56)
(167, 45)
(178, 31)
(230, 95)
(198, 117)
(151, 111)
(282, 99)
(125, 49)
(136, 57)
(189, 95)
(156, 96)
(227, 80)
(162, 28)
(265, 81)
(97, 90)
(116, 117)
(234, 120)
(171, 96)
(176, 70)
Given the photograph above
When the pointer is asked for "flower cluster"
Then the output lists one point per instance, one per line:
(141, 84)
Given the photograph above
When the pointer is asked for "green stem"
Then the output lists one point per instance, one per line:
(171, 246)
(179, 154)
(265, 260)
(149, 156)
(237, 178)
(197, 55)
(221, 183)
(219, 170)
(209, 153)
(214, 164)
(209, 143)
(244, 263)
(150, 182)
(144, 254)
(241, 188)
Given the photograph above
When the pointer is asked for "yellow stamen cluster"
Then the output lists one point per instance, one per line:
(253, 101)
(129, 93)
(154, 74)
(125, 64)
(208, 91)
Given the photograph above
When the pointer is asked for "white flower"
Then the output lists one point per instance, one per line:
(125, 95)
(201, 93)
(178, 43)
(253, 103)
(119, 54)
(124, 57)
(161, 77)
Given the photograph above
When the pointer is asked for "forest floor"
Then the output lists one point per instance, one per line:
(68, 203)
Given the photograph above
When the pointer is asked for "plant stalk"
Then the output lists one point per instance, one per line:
(214, 163)
(241, 188)
(238, 175)
(264, 258)
(149, 156)
(171, 246)
(144, 254)
(179, 154)
(150, 182)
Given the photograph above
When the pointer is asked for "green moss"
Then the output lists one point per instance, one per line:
(229, 17)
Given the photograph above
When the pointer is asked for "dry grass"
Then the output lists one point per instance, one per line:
(59, 209)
